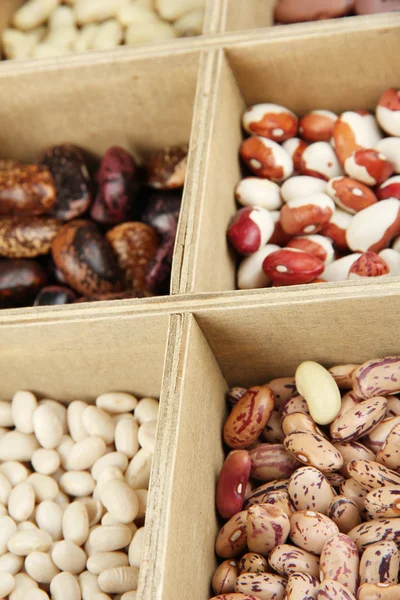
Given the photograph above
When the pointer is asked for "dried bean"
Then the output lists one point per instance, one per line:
(311, 530)
(309, 490)
(232, 481)
(257, 405)
(380, 564)
(286, 560)
(267, 526)
(345, 513)
(340, 561)
(225, 576)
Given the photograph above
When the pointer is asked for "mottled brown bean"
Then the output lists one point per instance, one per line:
(26, 237)
(232, 538)
(309, 490)
(267, 526)
(271, 461)
(265, 585)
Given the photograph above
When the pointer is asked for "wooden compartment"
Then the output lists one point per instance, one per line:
(242, 345)
(329, 69)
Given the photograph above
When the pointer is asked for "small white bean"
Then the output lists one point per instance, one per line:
(97, 563)
(137, 474)
(131, 13)
(5, 489)
(119, 580)
(61, 17)
(75, 424)
(129, 596)
(47, 426)
(126, 437)
(117, 402)
(89, 585)
(44, 486)
(24, 525)
(120, 500)
(142, 496)
(23, 405)
(16, 44)
(33, 13)
(89, 11)
(107, 538)
(98, 422)
(7, 584)
(142, 33)
(65, 587)
(69, 557)
(147, 436)
(146, 410)
(21, 502)
(40, 566)
(36, 595)
(23, 543)
(85, 38)
(6, 417)
(108, 35)
(44, 50)
(3, 510)
(116, 459)
(190, 23)
(94, 510)
(75, 524)
(45, 461)
(64, 450)
(11, 563)
(77, 483)
(135, 551)
(8, 528)
(85, 453)
(108, 474)
(22, 584)
(49, 515)
(19, 446)
(59, 409)
(15, 471)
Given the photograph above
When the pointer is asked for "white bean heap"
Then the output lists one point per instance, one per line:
(73, 494)
(44, 28)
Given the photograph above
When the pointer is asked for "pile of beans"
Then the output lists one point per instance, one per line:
(310, 490)
(293, 11)
(324, 206)
(43, 28)
(73, 496)
(102, 237)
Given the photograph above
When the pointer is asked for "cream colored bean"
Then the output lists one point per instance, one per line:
(17, 45)
(47, 426)
(108, 474)
(190, 23)
(64, 450)
(75, 423)
(89, 585)
(59, 409)
(65, 587)
(49, 517)
(85, 453)
(108, 538)
(5, 489)
(40, 566)
(3, 431)
(85, 38)
(8, 528)
(119, 580)
(45, 487)
(127, 437)
(146, 410)
(132, 13)
(135, 552)
(21, 502)
(147, 436)
(3, 510)
(77, 483)
(6, 417)
(75, 524)
(7, 584)
(67, 556)
(108, 35)
(103, 596)
(11, 563)
(34, 13)
(45, 461)
(23, 543)
(98, 422)
(137, 474)
(314, 382)
(173, 9)
(101, 561)
(62, 499)
(22, 584)
(19, 446)
(47, 51)
(148, 32)
(24, 525)
(120, 500)
(129, 596)
(91, 11)
(62, 17)
(15, 472)
(94, 510)
(142, 496)
(113, 459)
(62, 39)
(36, 595)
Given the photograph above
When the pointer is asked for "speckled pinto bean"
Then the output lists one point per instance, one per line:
(273, 430)
(283, 388)
(232, 538)
(376, 438)
(224, 578)
(299, 422)
(235, 393)
(301, 586)
(253, 563)
(271, 461)
(376, 531)
(376, 377)
(311, 530)
(314, 450)
(345, 513)
(340, 561)
(296, 404)
(235, 596)
(309, 490)
(389, 455)
(353, 490)
(267, 526)
(380, 563)
(286, 560)
(359, 420)
(384, 501)
(353, 451)
(342, 374)
(249, 417)
(265, 585)
(333, 590)
(280, 499)
(335, 479)
(371, 475)
(278, 485)
(349, 400)
(232, 481)
(380, 591)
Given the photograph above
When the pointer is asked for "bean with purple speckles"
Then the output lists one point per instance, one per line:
(345, 513)
(384, 501)
(251, 562)
(249, 417)
(232, 538)
(311, 530)
(380, 564)
(267, 526)
(333, 590)
(342, 374)
(359, 420)
(389, 454)
(301, 586)
(271, 461)
(225, 575)
(314, 450)
(340, 561)
(286, 560)
(376, 531)
(371, 475)
(379, 376)
(309, 490)
(369, 591)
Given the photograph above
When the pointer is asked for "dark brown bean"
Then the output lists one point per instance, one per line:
(166, 169)
(20, 281)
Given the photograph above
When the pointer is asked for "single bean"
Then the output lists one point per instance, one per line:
(359, 420)
(271, 461)
(340, 561)
(251, 562)
(224, 577)
(342, 374)
(371, 475)
(379, 591)
(344, 512)
(312, 382)
(309, 490)
(380, 564)
(376, 531)
(301, 586)
(232, 481)
(232, 538)
(311, 530)
(389, 454)
(266, 585)
(329, 588)
(267, 526)
(384, 501)
(376, 377)
(314, 450)
(257, 406)
(286, 560)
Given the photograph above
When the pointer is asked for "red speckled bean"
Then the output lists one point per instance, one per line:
(232, 538)
(249, 417)
(380, 376)
(340, 561)
(380, 563)
(311, 530)
(271, 461)
(267, 526)
(232, 481)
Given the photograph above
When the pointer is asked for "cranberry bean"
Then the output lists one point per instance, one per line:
(374, 531)
(296, 404)
(270, 121)
(225, 576)
(278, 485)
(307, 215)
(342, 375)
(273, 431)
(232, 538)
(371, 475)
(383, 501)
(250, 229)
(330, 588)
(310, 530)
(286, 560)
(234, 394)
(389, 454)
(309, 490)
(283, 389)
(339, 561)
(290, 11)
(314, 450)
(380, 564)
(249, 417)
(266, 585)
(367, 265)
(267, 526)
(388, 111)
(345, 513)
(368, 166)
(377, 376)
(359, 420)
(302, 585)
(367, 7)
(349, 194)
(317, 126)
(253, 563)
(271, 461)
(389, 189)
(266, 158)
(376, 438)
(232, 481)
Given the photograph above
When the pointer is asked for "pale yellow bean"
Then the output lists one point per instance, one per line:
(47, 426)
(11, 563)
(21, 502)
(45, 461)
(119, 580)
(75, 524)
(34, 13)
(314, 382)
(15, 471)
